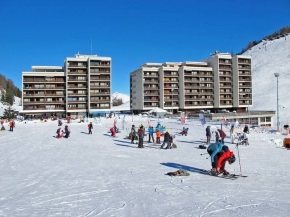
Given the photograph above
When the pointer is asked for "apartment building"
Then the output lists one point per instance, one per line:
(82, 87)
(222, 81)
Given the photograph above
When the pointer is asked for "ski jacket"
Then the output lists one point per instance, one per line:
(223, 158)
(141, 133)
(232, 131)
(90, 126)
(158, 134)
(222, 133)
(207, 130)
(246, 129)
(215, 148)
(58, 130)
(133, 130)
(151, 130)
(167, 137)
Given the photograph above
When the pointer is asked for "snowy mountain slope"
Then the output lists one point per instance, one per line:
(125, 98)
(269, 57)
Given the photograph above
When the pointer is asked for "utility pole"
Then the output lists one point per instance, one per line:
(277, 76)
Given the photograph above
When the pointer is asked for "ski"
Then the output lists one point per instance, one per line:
(231, 176)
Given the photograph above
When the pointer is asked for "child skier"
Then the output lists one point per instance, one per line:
(158, 135)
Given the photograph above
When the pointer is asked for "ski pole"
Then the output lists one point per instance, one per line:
(239, 158)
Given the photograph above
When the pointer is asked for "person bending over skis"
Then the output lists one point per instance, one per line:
(215, 150)
(225, 156)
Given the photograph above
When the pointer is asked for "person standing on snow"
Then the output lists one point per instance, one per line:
(222, 135)
(133, 134)
(215, 150)
(208, 135)
(66, 131)
(151, 132)
(90, 127)
(141, 137)
(246, 129)
(11, 125)
(232, 133)
(167, 140)
(158, 135)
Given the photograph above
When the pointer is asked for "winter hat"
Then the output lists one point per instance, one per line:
(225, 148)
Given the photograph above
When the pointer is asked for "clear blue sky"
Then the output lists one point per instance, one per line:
(132, 32)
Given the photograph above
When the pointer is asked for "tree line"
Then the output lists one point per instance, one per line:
(10, 90)
(278, 34)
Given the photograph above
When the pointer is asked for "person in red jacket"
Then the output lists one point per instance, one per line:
(226, 155)
(222, 135)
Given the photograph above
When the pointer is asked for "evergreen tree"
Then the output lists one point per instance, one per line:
(3, 98)
(9, 97)
(9, 113)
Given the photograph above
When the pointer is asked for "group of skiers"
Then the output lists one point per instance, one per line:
(11, 125)
(62, 133)
(219, 152)
(140, 133)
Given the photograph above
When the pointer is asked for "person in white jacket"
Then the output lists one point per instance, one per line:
(232, 134)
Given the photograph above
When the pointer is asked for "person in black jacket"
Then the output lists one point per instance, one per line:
(208, 135)
(167, 140)
(66, 131)
(246, 129)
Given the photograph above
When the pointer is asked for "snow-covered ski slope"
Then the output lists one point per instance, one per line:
(269, 57)
(97, 175)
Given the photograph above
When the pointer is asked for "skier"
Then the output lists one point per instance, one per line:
(2, 125)
(58, 133)
(151, 132)
(140, 136)
(90, 127)
(113, 132)
(225, 156)
(217, 136)
(222, 135)
(246, 129)
(167, 140)
(208, 135)
(11, 125)
(232, 133)
(215, 150)
(59, 122)
(133, 133)
(158, 135)
(66, 131)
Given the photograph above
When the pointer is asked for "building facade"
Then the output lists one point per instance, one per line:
(82, 87)
(221, 82)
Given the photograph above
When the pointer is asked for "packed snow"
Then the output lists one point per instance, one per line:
(269, 57)
(100, 175)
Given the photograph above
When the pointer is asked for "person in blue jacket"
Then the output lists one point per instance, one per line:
(151, 132)
(215, 150)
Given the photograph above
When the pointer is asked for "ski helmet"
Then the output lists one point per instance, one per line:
(232, 159)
